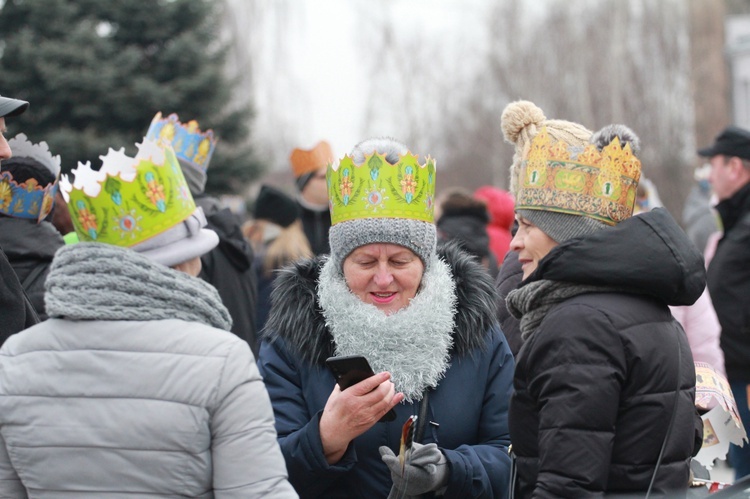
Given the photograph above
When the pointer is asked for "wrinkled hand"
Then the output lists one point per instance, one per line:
(351, 412)
(425, 471)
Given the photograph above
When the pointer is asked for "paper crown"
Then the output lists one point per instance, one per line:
(306, 161)
(129, 199)
(377, 189)
(591, 183)
(189, 143)
(29, 199)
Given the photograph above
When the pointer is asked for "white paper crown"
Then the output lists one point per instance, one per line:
(23, 148)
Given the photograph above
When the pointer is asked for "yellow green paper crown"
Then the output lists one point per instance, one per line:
(596, 184)
(187, 140)
(377, 189)
(129, 200)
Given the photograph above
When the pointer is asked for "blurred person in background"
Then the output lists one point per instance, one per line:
(464, 219)
(729, 269)
(698, 216)
(309, 169)
(605, 378)
(134, 386)
(28, 185)
(500, 205)
(278, 240)
(228, 267)
(16, 311)
(699, 319)
(424, 319)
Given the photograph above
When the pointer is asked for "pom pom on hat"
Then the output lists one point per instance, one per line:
(522, 120)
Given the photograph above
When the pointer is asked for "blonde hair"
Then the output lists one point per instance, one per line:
(522, 120)
(289, 245)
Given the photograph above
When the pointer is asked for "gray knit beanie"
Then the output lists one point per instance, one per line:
(562, 226)
(416, 235)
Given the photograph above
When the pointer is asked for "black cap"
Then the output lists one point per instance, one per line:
(12, 107)
(733, 141)
(275, 206)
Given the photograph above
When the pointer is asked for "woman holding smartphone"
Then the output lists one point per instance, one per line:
(423, 318)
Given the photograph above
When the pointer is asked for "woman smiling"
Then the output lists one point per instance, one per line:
(424, 319)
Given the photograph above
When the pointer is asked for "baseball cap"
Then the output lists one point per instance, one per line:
(12, 107)
(733, 141)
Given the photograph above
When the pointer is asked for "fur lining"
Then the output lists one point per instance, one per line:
(297, 320)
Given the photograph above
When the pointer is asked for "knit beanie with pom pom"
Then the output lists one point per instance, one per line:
(520, 122)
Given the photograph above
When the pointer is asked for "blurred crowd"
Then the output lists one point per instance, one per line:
(155, 343)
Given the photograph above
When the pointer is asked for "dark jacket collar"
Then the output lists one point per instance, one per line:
(297, 320)
(732, 209)
(23, 239)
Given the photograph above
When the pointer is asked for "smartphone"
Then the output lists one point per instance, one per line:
(350, 370)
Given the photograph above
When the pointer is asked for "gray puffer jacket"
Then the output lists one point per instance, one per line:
(161, 408)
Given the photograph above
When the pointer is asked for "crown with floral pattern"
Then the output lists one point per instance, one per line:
(129, 200)
(378, 189)
(189, 143)
(29, 199)
(564, 179)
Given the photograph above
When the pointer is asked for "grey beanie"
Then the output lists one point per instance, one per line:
(194, 176)
(418, 236)
(562, 226)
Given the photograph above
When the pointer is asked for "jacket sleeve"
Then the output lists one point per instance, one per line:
(10, 483)
(483, 470)
(246, 458)
(577, 369)
(297, 426)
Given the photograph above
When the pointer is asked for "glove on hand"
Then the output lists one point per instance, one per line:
(425, 471)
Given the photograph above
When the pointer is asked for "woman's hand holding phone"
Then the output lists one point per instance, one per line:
(351, 412)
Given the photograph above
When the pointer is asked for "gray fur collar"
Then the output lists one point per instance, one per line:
(297, 320)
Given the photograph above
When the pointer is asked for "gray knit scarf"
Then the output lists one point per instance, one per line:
(412, 344)
(531, 302)
(94, 281)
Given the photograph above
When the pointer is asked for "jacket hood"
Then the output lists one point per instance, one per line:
(231, 241)
(297, 319)
(25, 239)
(646, 254)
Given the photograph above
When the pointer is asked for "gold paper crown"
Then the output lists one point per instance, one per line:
(378, 189)
(306, 161)
(596, 184)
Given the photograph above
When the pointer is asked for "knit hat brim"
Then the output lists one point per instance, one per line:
(181, 243)
(418, 236)
(562, 226)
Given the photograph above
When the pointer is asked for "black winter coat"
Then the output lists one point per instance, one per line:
(16, 312)
(228, 267)
(729, 284)
(596, 382)
(30, 248)
(316, 225)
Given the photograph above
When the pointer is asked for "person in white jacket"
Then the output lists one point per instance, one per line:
(135, 387)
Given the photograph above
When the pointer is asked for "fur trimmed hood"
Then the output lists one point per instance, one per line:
(297, 320)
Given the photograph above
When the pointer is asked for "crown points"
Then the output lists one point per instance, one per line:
(188, 142)
(597, 184)
(377, 189)
(23, 148)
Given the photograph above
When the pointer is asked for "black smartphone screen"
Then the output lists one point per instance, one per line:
(350, 370)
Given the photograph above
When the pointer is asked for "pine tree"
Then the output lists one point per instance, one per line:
(96, 72)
